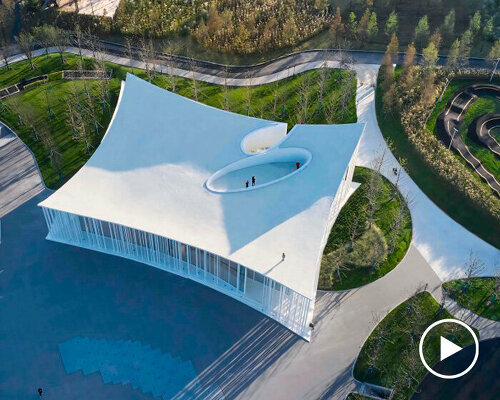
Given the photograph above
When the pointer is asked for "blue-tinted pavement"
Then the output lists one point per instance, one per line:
(53, 293)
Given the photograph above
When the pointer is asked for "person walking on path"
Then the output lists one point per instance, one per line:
(246, 183)
(297, 165)
(283, 257)
(253, 180)
(40, 392)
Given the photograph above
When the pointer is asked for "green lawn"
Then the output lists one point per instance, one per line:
(390, 357)
(475, 294)
(290, 100)
(359, 257)
(443, 193)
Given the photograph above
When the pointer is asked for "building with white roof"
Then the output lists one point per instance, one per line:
(167, 187)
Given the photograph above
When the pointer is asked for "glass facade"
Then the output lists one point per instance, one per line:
(250, 287)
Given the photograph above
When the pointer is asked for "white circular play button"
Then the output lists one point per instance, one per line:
(448, 348)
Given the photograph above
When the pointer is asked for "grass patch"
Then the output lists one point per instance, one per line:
(443, 193)
(390, 357)
(475, 294)
(356, 396)
(281, 101)
(368, 257)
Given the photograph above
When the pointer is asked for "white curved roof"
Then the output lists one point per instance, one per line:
(151, 168)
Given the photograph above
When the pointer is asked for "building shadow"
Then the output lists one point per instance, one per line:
(241, 364)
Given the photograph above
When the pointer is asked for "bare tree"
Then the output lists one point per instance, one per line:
(194, 83)
(355, 228)
(473, 267)
(374, 187)
(54, 155)
(61, 42)
(248, 92)
(225, 90)
(79, 38)
(27, 43)
(129, 52)
(323, 73)
(44, 35)
(304, 99)
(6, 53)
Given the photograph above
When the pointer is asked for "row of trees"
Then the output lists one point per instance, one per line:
(410, 98)
(366, 27)
(249, 27)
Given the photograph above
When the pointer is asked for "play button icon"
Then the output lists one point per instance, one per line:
(448, 348)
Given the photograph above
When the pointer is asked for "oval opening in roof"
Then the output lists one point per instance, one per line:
(262, 139)
(266, 168)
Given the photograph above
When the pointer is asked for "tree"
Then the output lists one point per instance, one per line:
(475, 23)
(436, 38)
(391, 25)
(488, 29)
(494, 53)
(61, 42)
(129, 52)
(363, 25)
(337, 26)
(372, 28)
(27, 43)
(44, 35)
(79, 41)
(407, 75)
(465, 48)
(448, 26)
(473, 267)
(452, 60)
(421, 30)
(429, 56)
(428, 87)
(6, 52)
(353, 25)
(374, 187)
(393, 48)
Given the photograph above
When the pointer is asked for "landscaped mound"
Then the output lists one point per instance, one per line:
(370, 236)
(480, 295)
(390, 355)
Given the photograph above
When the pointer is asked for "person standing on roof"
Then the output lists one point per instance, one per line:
(246, 183)
(297, 164)
(253, 180)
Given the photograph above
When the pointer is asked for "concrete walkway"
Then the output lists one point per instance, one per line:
(443, 242)
(487, 328)
(20, 178)
(322, 369)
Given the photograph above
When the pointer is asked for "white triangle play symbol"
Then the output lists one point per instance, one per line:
(448, 348)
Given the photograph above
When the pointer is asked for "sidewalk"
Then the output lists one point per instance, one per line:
(20, 178)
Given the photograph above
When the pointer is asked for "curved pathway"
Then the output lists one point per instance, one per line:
(482, 130)
(20, 178)
(448, 127)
